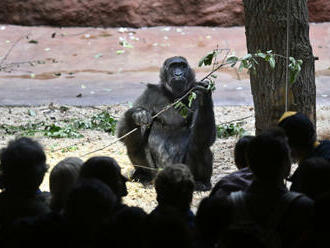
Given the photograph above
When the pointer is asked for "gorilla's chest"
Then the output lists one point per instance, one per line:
(168, 140)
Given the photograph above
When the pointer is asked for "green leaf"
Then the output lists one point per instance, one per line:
(228, 130)
(182, 108)
(261, 55)
(33, 42)
(120, 51)
(272, 62)
(241, 66)
(191, 98)
(232, 60)
(207, 60)
(247, 56)
(99, 55)
(31, 112)
(125, 44)
(211, 86)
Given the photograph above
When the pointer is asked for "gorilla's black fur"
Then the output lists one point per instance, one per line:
(171, 138)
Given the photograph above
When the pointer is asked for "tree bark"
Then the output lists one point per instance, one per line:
(266, 29)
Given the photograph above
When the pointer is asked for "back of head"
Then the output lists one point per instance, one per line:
(240, 151)
(315, 176)
(107, 170)
(174, 186)
(268, 156)
(89, 203)
(61, 180)
(299, 130)
(23, 165)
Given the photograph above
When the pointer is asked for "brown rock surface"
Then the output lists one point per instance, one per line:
(319, 10)
(135, 13)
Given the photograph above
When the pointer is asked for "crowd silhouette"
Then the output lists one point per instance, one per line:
(251, 207)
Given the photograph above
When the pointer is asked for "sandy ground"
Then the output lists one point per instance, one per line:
(139, 195)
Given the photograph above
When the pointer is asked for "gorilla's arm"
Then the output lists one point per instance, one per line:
(139, 116)
(203, 128)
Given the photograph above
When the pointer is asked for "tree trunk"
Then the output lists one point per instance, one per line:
(266, 25)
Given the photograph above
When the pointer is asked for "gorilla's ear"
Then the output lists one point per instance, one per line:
(163, 73)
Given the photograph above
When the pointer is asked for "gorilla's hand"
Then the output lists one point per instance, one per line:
(203, 92)
(142, 117)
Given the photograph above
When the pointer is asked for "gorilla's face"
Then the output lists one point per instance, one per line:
(177, 76)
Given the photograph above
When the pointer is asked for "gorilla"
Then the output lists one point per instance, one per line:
(171, 138)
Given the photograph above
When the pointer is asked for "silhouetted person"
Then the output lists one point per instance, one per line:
(166, 228)
(128, 222)
(108, 171)
(174, 187)
(267, 203)
(303, 143)
(23, 166)
(238, 180)
(61, 180)
(88, 210)
(315, 177)
(322, 220)
(212, 218)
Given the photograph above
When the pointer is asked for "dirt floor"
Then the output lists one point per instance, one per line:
(58, 149)
(102, 66)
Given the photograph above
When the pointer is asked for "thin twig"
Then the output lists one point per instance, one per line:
(11, 48)
(240, 119)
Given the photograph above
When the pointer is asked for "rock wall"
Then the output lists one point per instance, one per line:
(135, 13)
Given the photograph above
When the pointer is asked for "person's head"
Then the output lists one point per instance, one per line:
(315, 176)
(268, 156)
(175, 186)
(240, 150)
(89, 204)
(300, 132)
(108, 171)
(61, 180)
(23, 165)
(167, 228)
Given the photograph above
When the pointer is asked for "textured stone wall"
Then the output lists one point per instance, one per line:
(135, 13)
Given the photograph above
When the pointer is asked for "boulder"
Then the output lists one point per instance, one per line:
(135, 13)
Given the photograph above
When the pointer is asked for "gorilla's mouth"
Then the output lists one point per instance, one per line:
(179, 86)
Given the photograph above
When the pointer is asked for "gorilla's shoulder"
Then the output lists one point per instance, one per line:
(154, 90)
(153, 94)
(154, 87)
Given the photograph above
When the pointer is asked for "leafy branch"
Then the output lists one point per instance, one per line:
(102, 121)
(249, 62)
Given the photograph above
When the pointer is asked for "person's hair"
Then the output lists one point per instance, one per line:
(240, 151)
(23, 165)
(268, 155)
(300, 132)
(90, 201)
(175, 186)
(315, 176)
(107, 170)
(61, 180)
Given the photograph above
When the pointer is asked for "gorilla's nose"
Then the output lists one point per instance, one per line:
(178, 73)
